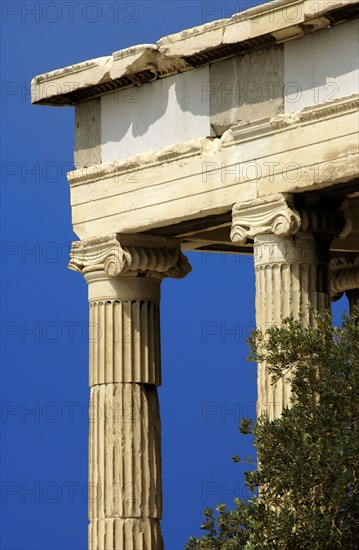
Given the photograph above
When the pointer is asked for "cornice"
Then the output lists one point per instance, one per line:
(265, 25)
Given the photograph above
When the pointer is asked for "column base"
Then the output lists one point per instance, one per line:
(125, 534)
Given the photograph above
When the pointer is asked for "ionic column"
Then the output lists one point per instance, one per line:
(124, 275)
(291, 259)
(344, 277)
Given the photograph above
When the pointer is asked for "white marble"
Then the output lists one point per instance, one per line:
(321, 67)
(149, 117)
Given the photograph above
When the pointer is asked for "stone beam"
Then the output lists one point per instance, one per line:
(304, 151)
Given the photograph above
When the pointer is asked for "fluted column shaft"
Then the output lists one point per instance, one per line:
(291, 275)
(124, 275)
(125, 498)
(291, 260)
(124, 329)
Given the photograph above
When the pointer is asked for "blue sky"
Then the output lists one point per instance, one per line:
(207, 382)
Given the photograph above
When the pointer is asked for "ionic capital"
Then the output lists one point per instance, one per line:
(273, 214)
(119, 255)
(343, 275)
(277, 215)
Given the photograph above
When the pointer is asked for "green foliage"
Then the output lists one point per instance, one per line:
(309, 457)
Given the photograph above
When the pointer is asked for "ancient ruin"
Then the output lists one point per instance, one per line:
(239, 136)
